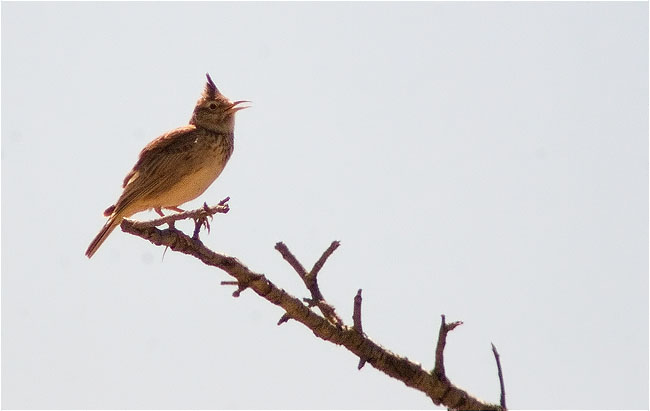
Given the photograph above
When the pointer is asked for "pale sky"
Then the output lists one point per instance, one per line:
(484, 161)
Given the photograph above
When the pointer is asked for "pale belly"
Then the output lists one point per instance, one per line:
(190, 187)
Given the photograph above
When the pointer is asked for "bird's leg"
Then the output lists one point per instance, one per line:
(160, 213)
(202, 221)
(178, 210)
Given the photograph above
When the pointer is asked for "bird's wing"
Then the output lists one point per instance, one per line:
(157, 167)
(176, 140)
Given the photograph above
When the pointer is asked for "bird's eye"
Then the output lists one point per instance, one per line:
(213, 106)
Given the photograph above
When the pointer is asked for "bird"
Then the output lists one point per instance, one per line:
(179, 165)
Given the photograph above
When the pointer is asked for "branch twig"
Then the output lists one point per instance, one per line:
(356, 320)
(356, 312)
(439, 368)
(501, 384)
(323, 258)
(291, 259)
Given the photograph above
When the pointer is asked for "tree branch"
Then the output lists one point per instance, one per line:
(433, 384)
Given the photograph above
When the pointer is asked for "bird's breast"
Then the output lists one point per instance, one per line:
(204, 164)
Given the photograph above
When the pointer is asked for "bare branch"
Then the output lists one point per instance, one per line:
(440, 390)
(501, 384)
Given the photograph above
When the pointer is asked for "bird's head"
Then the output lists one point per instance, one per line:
(214, 111)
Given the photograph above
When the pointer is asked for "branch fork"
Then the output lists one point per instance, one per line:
(311, 281)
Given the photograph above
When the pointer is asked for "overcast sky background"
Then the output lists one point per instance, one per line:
(486, 161)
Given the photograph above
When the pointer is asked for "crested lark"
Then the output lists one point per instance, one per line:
(179, 165)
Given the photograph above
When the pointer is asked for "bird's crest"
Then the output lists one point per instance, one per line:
(211, 91)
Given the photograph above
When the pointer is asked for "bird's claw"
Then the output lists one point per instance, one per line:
(202, 221)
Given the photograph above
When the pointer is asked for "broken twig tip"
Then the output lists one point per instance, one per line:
(285, 317)
(356, 313)
(362, 362)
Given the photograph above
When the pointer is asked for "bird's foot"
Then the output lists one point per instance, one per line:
(202, 221)
(159, 210)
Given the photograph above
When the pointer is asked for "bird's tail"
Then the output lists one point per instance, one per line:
(103, 234)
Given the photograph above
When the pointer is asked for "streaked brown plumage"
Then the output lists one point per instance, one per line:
(179, 165)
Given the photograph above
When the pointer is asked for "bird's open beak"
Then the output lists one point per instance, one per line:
(235, 106)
